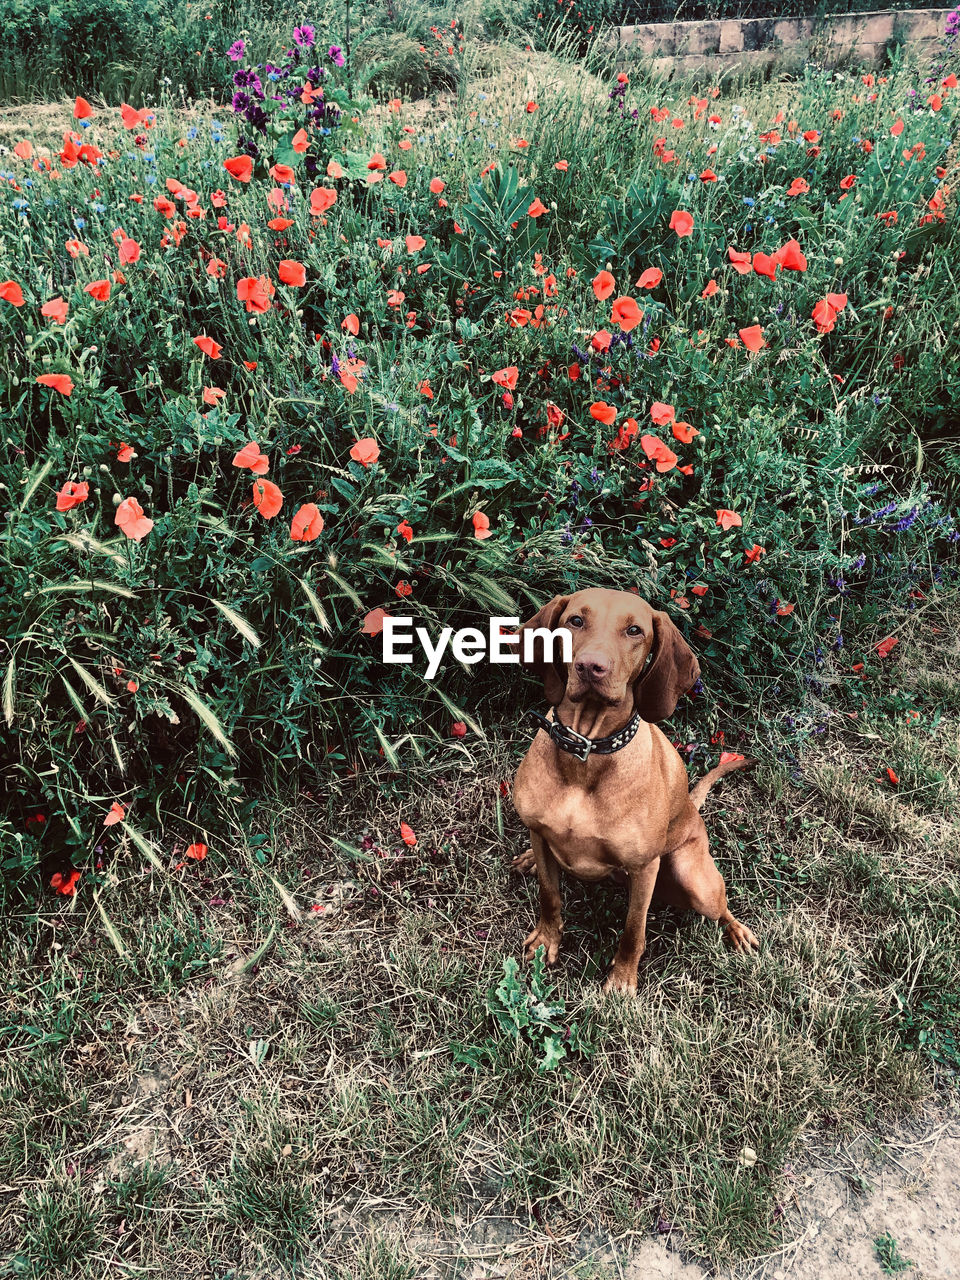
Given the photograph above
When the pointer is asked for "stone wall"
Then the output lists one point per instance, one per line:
(749, 44)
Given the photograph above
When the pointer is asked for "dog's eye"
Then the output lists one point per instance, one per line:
(575, 621)
(634, 631)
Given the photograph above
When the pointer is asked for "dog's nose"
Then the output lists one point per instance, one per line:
(590, 666)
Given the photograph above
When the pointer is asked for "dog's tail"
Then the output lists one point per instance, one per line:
(699, 792)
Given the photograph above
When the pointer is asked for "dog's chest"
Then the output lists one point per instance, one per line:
(592, 830)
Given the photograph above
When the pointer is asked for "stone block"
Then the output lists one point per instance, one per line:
(731, 36)
(702, 37)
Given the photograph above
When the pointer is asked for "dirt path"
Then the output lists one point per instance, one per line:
(913, 1196)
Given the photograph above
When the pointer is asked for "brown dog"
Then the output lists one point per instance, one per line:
(627, 810)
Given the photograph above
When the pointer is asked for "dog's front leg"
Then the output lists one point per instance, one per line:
(549, 928)
(623, 971)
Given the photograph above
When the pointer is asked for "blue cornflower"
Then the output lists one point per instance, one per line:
(749, 201)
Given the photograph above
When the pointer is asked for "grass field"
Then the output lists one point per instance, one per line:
(548, 329)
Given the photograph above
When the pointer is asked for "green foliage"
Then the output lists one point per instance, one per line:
(891, 1260)
(180, 674)
(529, 1011)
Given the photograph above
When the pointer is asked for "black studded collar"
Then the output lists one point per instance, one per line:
(575, 744)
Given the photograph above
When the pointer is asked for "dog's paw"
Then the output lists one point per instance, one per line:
(741, 938)
(542, 936)
(524, 863)
(620, 982)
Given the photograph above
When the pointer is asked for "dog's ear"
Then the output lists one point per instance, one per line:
(553, 673)
(671, 670)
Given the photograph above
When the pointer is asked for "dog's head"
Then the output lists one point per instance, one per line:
(620, 645)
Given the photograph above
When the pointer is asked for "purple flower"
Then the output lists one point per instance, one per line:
(304, 36)
(335, 54)
(236, 50)
(249, 80)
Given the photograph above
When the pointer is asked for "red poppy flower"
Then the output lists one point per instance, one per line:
(885, 647)
(61, 382)
(99, 290)
(658, 452)
(661, 413)
(739, 261)
(683, 432)
(506, 378)
(117, 814)
(377, 162)
(407, 834)
(752, 337)
(405, 531)
(307, 523)
(299, 142)
(208, 346)
(791, 257)
(65, 883)
(824, 316)
(250, 456)
(681, 222)
(365, 451)
(603, 412)
(11, 292)
(351, 324)
(437, 186)
(711, 288)
(754, 554)
(256, 292)
(626, 314)
(82, 109)
(415, 243)
(728, 519)
(650, 278)
(197, 851)
(292, 272)
(282, 173)
(603, 285)
(373, 622)
(131, 520)
(267, 498)
(537, 207)
(72, 494)
(765, 265)
(798, 187)
(481, 526)
(322, 199)
(398, 178)
(239, 167)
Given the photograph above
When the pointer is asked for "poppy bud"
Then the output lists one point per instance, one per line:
(507, 400)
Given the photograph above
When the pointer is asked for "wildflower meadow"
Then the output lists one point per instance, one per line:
(282, 362)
